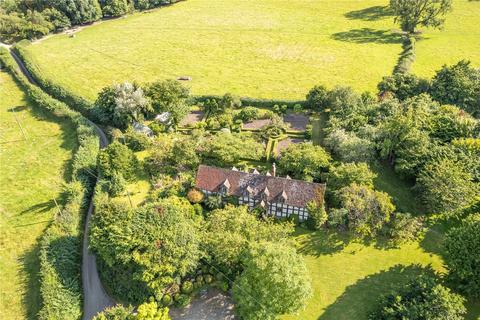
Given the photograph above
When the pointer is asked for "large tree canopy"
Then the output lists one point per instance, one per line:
(463, 255)
(275, 281)
(304, 161)
(423, 299)
(426, 13)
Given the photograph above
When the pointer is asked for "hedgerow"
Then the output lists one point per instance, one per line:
(60, 246)
(73, 100)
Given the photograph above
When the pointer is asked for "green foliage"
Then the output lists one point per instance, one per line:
(214, 202)
(317, 98)
(160, 240)
(274, 129)
(231, 231)
(403, 85)
(427, 13)
(117, 184)
(121, 104)
(227, 149)
(248, 113)
(462, 255)
(367, 210)
(59, 254)
(304, 161)
(458, 84)
(450, 122)
(136, 141)
(346, 174)
(274, 281)
(117, 158)
(349, 147)
(169, 96)
(114, 8)
(403, 228)
(17, 26)
(145, 311)
(445, 186)
(424, 298)
(317, 216)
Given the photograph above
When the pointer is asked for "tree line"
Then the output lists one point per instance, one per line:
(32, 19)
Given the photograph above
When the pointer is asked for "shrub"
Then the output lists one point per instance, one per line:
(195, 196)
(317, 98)
(403, 228)
(367, 210)
(458, 84)
(208, 278)
(166, 300)
(187, 287)
(117, 184)
(403, 85)
(137, 141)
(424, 298)
(304, 161)
(349, 147)
(248, 114)
(181, 300)
(463, 256)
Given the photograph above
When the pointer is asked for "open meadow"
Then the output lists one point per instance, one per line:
(269, 49)
(35, 150)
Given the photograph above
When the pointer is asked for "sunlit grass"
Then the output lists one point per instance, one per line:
(35, 150)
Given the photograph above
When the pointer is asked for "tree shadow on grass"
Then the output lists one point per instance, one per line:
(368, 35)
(360, 299)
(322, 242)
(31, 294)
(370, 14)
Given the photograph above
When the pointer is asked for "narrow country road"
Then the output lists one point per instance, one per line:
(95, 299)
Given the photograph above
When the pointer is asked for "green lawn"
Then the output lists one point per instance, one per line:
(459, 40)
(266, 49)
(348, 278)
(32, 169)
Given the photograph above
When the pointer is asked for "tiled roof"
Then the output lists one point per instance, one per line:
(298, 193)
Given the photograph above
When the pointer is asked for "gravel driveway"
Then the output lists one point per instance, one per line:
(209, 305)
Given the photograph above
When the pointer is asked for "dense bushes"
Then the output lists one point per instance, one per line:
(60, 246)
(274, 281)
(458, 84)
(423, 298)
(304, 161)
(463, 256)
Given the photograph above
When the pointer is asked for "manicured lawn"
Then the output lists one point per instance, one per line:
(266, 49)
(32, 170)
(459, 40)
(349, 278)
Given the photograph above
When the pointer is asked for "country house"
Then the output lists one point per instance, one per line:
(279, 196)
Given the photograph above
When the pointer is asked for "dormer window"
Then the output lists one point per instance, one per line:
(283, 197)
(248, 192)
(225, 187)
(265, 194)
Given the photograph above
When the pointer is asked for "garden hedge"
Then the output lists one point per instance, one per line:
(60, 246)
(259, 103)
(73, 100)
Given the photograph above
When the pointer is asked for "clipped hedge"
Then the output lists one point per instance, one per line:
(60, 246)
(253, 102)
(73, 100)
(407, 56)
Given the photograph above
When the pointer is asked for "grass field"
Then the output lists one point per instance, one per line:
(459, 40)
(348, 278)
(267, 49)
(32, 168)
